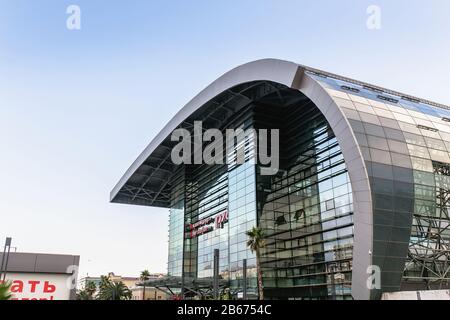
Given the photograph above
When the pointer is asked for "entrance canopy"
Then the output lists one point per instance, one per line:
(200, 287)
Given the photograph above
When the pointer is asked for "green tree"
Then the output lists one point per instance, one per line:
(83, 295)
(105, 281)
(88, 293)
(145, 275)
(91, 288)
(226, 295)
(114, 291)
(255, 243)
(5, 290)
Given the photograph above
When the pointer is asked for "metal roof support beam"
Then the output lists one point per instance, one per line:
(152, 174)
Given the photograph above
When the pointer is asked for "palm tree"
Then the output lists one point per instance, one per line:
(5, 292)
(114, 291)
(145, 275)
(88, 293)
(90, 288)
(104, 282)
(83, 295)
(255, 243)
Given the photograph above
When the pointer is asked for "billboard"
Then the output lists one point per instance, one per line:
(40, 286)
(42, 276)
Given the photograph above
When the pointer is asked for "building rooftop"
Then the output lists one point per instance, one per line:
(148, 180)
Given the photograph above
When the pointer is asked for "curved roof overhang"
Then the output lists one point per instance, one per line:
(145, 181)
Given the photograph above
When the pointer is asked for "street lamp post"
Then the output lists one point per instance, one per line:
(244, 278)
(216, 275)
(5, 258)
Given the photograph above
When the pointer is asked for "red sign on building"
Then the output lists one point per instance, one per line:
(203, 226)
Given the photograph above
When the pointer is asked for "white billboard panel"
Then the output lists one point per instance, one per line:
(40, 286)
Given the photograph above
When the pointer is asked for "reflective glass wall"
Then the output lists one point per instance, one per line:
(176, 227)
(226, 193)
(306, 210)
(242, 208)
(405, 144)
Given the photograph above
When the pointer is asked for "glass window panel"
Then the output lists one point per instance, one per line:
(446, 140)
(383, 113)
(440, 156)
(435, 119)
(351, 114)
(432, 111)
(397, 109)
(425, 123)
(378, 104)
(380, 156)
(345, 232)
(397, 146)
(431, 134)
(394, 134)
(406, 127)
(369, 118)
(390, 123)
(357, 126)
(414, 139)
(362, 139)
(445, 136)
(447, 145)
(364, 108)
(338, 94)
(404, 118)
(342, 201)
(403, 174)
(424, 178)
(340, 191)
(417, 115)
(422, 164)
(377, 143)
(382, 171)
(435, 144)
(358, 99)
(382, 185)
(374, 130)
(345, 103)
(366, 153)
(442, 127)
(418, 151)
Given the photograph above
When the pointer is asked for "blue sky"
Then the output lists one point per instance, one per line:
(77, 107)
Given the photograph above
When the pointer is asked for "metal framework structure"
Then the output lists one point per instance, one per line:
(429, 251)
(201, 288)
(151, 184)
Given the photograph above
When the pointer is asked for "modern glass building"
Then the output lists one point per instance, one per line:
(363, 187)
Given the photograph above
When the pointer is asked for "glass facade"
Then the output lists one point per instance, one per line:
(204, 193)
(428, 262)
(206, 196)
(242, 218)
(176, 227)
(405, 144)
(306, 213)
(305, 210)
(364, 181)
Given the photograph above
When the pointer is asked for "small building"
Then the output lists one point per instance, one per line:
(150, 293)
(39, 276)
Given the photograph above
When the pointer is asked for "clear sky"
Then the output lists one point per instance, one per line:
(78, 106)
